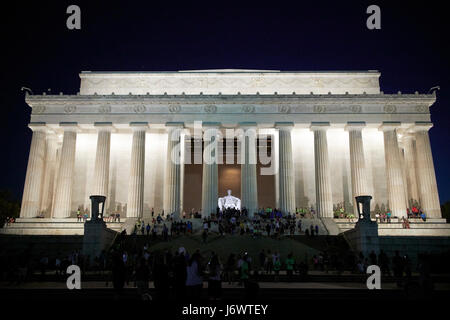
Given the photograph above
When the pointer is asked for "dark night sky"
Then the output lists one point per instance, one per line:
(38, 51)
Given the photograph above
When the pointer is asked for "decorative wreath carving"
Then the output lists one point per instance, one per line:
(210, 108)
(389, 108)
(248, 109)
(284, 109)
(139, 109)
(70, 109)
(355, 109)
(174, 108)
(39, 109)
(320, 109)
(104, 109)
(421, 109)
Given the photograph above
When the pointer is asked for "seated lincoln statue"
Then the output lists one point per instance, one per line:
(229, 202)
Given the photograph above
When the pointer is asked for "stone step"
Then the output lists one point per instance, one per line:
(45, 226)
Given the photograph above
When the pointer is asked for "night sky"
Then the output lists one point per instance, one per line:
(38, 51)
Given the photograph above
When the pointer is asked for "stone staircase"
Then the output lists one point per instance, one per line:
(431, 227)
(46, 226)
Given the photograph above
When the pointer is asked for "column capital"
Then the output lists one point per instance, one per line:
(284, 125)
(139, 126)
(69, 126)
(247, 125)
(104, 126)
(389, 125)
(211, 124)
(421, 126)
(38, 126)
(355, 125)
(316, 126)
(175, 127)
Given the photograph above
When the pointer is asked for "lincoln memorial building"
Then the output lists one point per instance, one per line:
(145, 140)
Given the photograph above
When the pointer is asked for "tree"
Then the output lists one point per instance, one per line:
(445, 209)
(9, 206)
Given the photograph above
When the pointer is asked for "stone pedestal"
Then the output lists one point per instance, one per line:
(364, 237)
(97, 237)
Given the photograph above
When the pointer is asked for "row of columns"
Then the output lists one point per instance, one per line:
(42, 169)
(420, 174)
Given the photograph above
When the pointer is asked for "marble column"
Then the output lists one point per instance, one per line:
(173, 169)
(357, 161)
(63, 194)
(55, 179)
(426, 178)
(249, 186)
(394, 170)
(210, 170)
(324, 197)
(410, 163)
(35, 171)
(286, 168)
(135, 203)
(102, 158)
(48, 182)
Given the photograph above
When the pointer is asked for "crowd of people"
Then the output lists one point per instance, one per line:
(182, 274)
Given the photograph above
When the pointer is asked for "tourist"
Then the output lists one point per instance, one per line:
(373, 258)
(194, 281)
(142, 278)
(161, 278)
(384, 263)
(230, 268)
(317, 230)
(214, 279)
(205, 236)
(79, 217)
(423, 216)
(269, 262)
(276, 267)
(398, 266)
(262, 259)
(388, 216)
(118, 273)
(244, 271)
(290, 262)
(180, 274)
(148, 229)
(165, 233)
